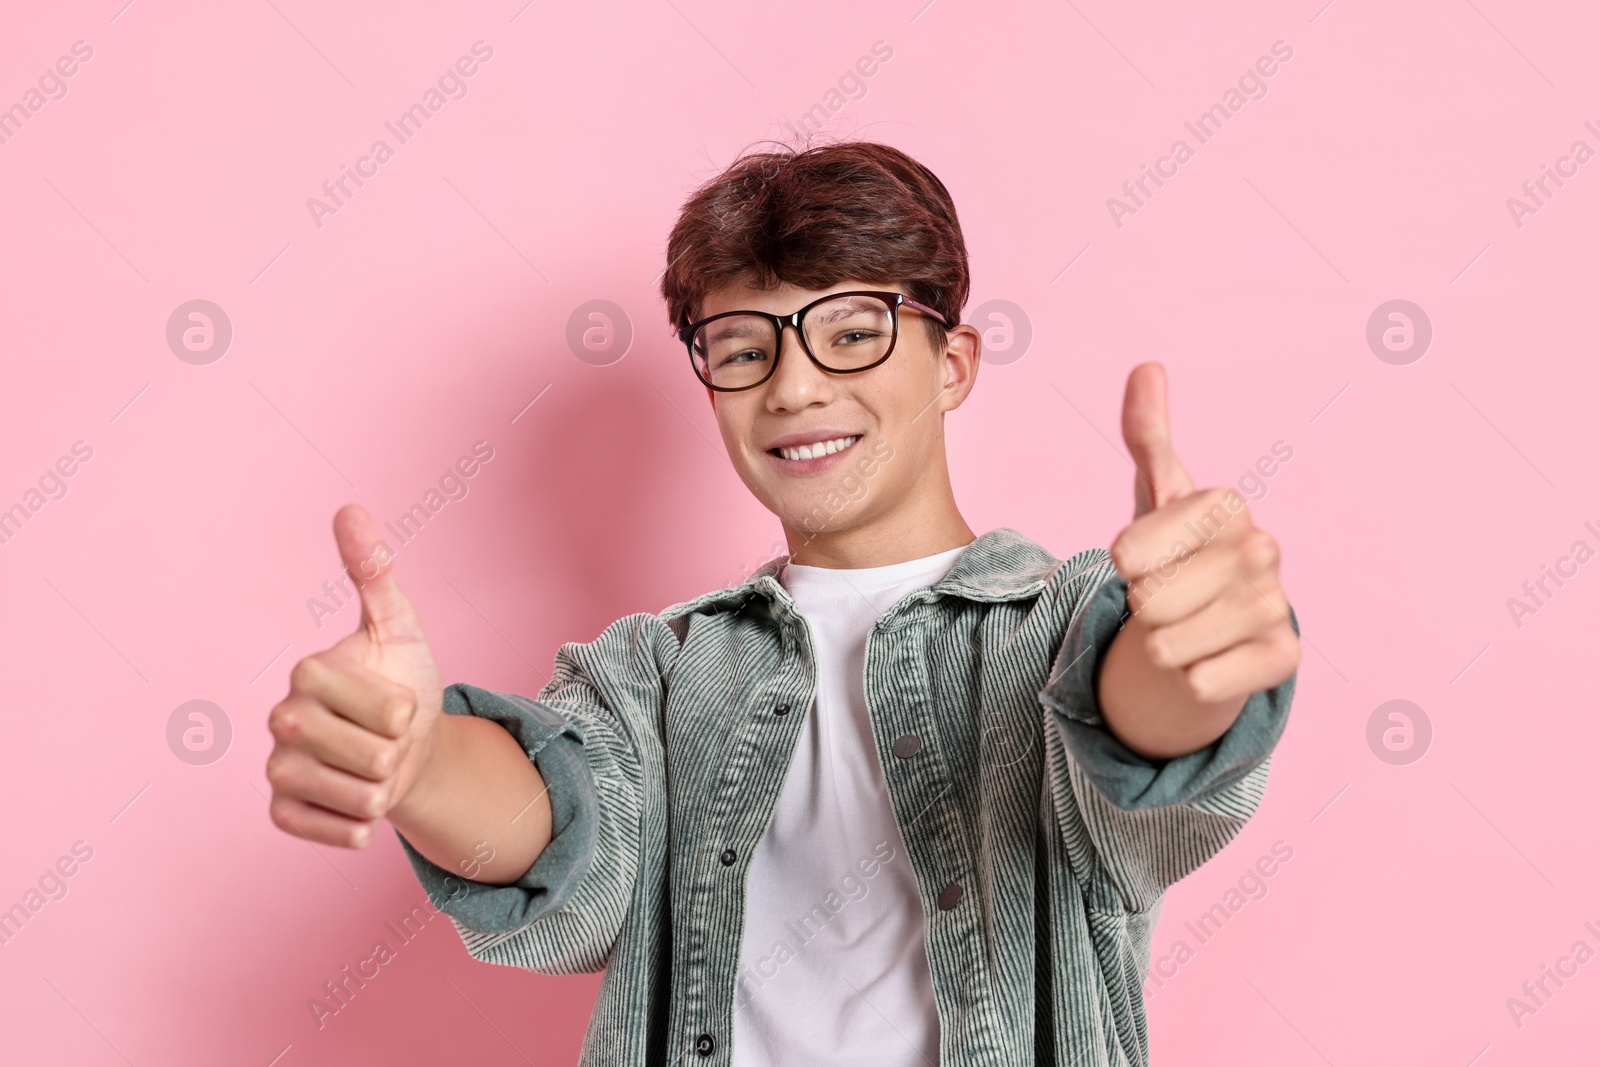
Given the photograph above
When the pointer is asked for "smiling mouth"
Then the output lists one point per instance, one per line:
(815, 451)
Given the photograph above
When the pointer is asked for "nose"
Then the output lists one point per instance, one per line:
(796, 382)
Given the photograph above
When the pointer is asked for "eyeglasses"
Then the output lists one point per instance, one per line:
(843, 332)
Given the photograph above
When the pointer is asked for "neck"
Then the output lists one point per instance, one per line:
(924, 523)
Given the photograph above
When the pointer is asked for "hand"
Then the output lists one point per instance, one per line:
(1202, 578)
(357, 726)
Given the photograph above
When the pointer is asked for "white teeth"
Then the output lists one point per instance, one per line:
(819, 449)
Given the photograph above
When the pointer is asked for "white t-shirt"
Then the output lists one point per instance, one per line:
(832, 966)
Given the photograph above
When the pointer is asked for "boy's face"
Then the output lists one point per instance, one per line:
(890, 417)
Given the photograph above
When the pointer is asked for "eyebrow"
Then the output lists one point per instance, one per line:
(734, 327)
(844, 310)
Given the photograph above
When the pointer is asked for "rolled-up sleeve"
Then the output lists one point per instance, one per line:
(594, 734)
(556, 749)
(1152, 822)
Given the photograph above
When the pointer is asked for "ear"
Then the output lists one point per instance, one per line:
(962, 353)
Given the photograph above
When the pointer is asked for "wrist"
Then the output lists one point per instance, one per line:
(430, 759)
(1148, 708)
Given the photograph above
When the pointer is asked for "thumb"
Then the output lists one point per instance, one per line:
(1161, 477)
(386, 613)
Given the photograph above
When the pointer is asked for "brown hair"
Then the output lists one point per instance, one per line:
(813, 218)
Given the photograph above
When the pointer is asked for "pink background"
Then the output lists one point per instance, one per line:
(427, 314)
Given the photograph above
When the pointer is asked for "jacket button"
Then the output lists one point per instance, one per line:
(781, 709)
(705, 1044)
(728, 857)
(907, 745)
(950, 896)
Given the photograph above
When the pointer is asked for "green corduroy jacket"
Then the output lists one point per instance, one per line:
(1042, 846)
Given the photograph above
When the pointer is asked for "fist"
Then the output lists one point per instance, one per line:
(1202, 577)
(350, 738)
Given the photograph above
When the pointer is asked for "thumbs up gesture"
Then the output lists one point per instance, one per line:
(1210, 622)
(356, 727)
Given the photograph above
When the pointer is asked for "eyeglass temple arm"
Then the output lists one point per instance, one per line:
(925, 309)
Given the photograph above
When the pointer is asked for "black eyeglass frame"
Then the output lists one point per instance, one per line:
(782, 322)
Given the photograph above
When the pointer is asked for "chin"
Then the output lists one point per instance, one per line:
(826, 513)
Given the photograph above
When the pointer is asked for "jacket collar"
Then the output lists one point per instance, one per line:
(997, 566)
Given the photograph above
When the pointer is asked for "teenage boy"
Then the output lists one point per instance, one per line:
(907, 795)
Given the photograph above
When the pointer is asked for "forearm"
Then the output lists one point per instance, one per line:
(1148, 708)
(479, 807)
